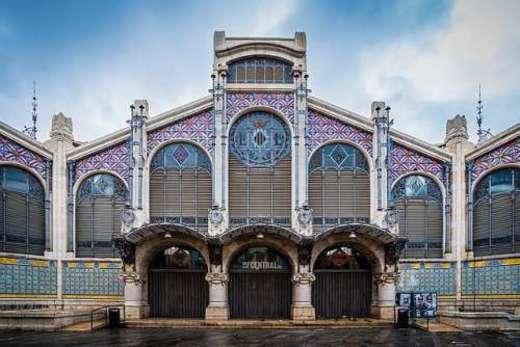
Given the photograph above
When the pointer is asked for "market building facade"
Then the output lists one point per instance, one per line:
(259, 201)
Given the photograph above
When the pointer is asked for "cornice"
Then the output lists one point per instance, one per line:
(341, 114)
(494, 142)
(24, 140)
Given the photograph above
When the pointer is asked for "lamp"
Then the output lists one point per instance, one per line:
(168, 235)
(352, 235)
(260, 235)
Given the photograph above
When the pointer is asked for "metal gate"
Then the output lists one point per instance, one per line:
(177, 293)
(342, 293)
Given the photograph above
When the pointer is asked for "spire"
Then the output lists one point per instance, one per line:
(32, 130)
(483, 134)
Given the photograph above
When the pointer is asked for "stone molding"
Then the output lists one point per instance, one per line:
(387, 278)
(303, 278)
(217, 278)
(131, 277)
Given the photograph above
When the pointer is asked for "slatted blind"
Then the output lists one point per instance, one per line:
(261, 193)
(36, 225)
(16, 222)
(481, 226)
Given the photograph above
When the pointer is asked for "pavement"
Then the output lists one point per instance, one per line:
(216, 337)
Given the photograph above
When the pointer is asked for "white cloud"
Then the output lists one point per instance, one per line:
(270, 14)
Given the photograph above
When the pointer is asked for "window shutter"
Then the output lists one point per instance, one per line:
(330, 196)
(361, 182)
(237, 189)
(314, 193)
(2, 220)
(434, 224)
(157, 194)
(481, 227)
(84, 226)
(261, 190)
(16, 222)
(103, 226)
(36, 226)
(282, 189)
(502, 224)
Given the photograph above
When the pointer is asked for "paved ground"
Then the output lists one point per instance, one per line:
(259, 337)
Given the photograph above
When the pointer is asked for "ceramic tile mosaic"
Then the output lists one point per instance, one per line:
(506, 154)
(114, 159)
(92, 278)
(27, 277)
(498, 276)
(427, 277)
(13, 152)
(280, 101)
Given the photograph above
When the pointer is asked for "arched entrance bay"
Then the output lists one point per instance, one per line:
(260, 284)
(177, 284)
(343, 286)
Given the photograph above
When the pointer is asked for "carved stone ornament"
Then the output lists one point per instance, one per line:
(126, 251)
(128, 216)
(216, 216)
(386, 278)
(61, 126)
(304, 253)
(304, 215)
(391, 218)
(131, 277)
(393, 251)
(303, 278)
(456, 128)
(217, 278)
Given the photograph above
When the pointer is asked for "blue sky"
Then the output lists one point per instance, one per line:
(91, 59)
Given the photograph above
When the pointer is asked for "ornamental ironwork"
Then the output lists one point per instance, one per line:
(260, 139)
(102, 185)
(417, 187)
(181, 156)
(338, 156)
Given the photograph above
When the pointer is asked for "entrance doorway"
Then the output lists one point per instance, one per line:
(260, 285)
(343, 287)
(177, 287)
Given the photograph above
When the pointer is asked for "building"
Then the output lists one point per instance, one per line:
(259, 201)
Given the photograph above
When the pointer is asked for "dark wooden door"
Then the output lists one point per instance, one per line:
(342, 293)
(260, 294)
(177, 293)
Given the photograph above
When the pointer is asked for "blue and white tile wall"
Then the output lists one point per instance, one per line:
(94, 278)
(427, 277)
(21, 277)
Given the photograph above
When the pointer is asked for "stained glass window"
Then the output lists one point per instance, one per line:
(418, 187)
(259, 70)
(99, 203)
(22, 212)
(496, 213)
(260, 139)
(338, 156)
(181, 156)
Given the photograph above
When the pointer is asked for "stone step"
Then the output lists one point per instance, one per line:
(86, 326)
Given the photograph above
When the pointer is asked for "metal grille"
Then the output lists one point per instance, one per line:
(418, 200)
(22, 212)
(339, 186)
(259, 70)
(100, 201)
(496, 213)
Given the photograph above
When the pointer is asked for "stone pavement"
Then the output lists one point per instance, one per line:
(215, 337)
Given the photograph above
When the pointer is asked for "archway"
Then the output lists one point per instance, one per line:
(343, 286)
(177, 287)
(260, 284)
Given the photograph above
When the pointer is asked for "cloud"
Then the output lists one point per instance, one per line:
(272, 14)
(479, 44)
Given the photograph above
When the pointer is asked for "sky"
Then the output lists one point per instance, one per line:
(425, 58)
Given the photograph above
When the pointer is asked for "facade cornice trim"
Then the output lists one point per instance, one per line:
(257, 87)
(98, 144)
(341, 114)
(24, 140)
(420, 146)
(494, 142)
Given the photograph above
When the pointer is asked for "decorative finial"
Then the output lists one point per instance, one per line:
(483, 134)
(32, 130)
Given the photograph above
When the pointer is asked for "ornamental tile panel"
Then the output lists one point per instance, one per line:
(92, 278)
(114, 159)
(13, 152)
(322, 128)
(404, 160)
(280, 101)
(427, 277)
(506, 154)
(198, 128)
(27, 277)
(491, 277)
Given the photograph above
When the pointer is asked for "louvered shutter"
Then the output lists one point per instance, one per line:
(36, 225)
(434, 223)
(501, 224)
(315, 197)
(203, 198)
(16, 222)
(260, 192)
(157, 194)
(2, 220)
(361, 183)
(188, 197)
(237, 190)
(103, 226)
(330, 196)
(347, 197)
(84, 228)
(172, 196)
(282, 191)
(516, 235)
(416, 228)
(481, 227)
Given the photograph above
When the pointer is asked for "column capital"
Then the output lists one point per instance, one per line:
(217, 278)
(303, 278)
(131, 277)
(383, 278)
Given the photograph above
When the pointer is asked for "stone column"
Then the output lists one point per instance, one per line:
(385, 282)
(218, 308)
(135, 306)
(302, 308)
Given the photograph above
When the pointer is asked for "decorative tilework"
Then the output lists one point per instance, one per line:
(13, 152)
(280, 101)
(197, 128)
(427, 277)
(321, 128)
(114, 158)
(498, 276)
(27, 277)
(405, 160)
(506, 154)
(92, 278)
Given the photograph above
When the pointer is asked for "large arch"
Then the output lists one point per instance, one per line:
(496, 212)
(100, 198)
(22, 211)
(419, 200)
(180, 185)
(339, 185)
(259, 169)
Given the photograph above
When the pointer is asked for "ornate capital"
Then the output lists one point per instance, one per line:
(386, 278)
(131, 277)
(217, 278)
(216, 216)
(393, 251)
(304, 215)
(303, 278)
(126, 250)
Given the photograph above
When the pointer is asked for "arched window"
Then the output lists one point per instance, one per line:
(259, 70)
(418, 200)
(99, 203)
(260, 170)
(339, 186)
(22, 212)
(496, 213)
(180, 186)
